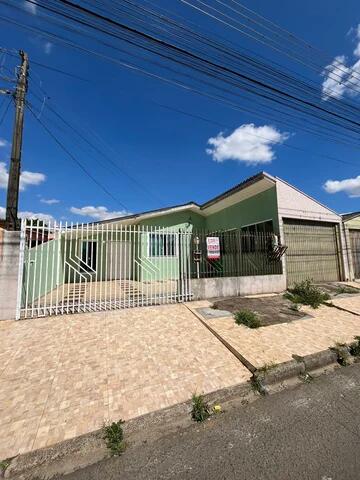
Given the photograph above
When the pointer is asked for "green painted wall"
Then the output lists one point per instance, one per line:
(42, 267)
(165, 268)
(153, 268)
(177, 220)
(253, 210)
(256, 209)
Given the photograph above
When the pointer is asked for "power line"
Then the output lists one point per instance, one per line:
(2, 118)
(264, 39)
(186, 87)
(172, 82)
(284, 144)
(192, 56)
(296, 38)
(83, 137)
(78, 163)
(208, 120)
(62, 72)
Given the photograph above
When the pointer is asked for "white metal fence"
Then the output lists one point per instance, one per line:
(70, 268)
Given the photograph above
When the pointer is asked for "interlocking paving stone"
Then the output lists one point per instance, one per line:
(277, 343)
(351, 303)
(65, 375)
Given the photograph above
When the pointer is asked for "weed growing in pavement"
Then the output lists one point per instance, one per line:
(343, 356)
(114, 437)
(3, 466)
(200, 409)
(346, 289)
(306, 377)
(267, 367)
(257, 386)
(355, 348)
(247, 318)
(307, 293)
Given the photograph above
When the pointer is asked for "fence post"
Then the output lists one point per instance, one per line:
(21, 269)
(9, 273)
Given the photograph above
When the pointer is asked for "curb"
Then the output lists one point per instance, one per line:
(317, 360)
(302, 365)
(280, 372)
(79, 452)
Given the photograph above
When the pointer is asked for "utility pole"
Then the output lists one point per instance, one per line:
(12, 202)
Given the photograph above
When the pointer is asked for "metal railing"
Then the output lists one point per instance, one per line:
(241, 254)
(68, 268)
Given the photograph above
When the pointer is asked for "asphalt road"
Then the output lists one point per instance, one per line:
(310, 432)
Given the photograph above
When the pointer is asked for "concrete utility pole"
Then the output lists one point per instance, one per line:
(12, 202)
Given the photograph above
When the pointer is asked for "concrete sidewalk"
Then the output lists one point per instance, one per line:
(64, 376)
(274, 344)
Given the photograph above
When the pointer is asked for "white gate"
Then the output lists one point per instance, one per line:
(71, 268)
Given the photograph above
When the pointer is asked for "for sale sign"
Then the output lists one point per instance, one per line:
(213, 248)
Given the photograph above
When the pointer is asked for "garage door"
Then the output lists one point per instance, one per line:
(312, 251)
(355, 250)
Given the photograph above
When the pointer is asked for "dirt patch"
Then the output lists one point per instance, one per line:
(270, 310)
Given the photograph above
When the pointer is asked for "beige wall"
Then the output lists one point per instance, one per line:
(353, 224)
(294, 204)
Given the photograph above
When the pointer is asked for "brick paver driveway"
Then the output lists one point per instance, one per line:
(64, 376)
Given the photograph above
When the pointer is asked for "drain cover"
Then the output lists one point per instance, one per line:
(209, 313)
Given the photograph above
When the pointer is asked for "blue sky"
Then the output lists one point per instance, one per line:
(168, 153)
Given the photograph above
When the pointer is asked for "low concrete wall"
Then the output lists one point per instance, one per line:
(234, 286)
(9, 270)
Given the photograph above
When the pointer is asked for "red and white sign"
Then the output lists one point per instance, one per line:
(213, 248)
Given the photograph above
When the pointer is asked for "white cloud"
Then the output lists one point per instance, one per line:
(98, 213)
(357, 36)
(350, 186)
(31, 178)
(26, 178)
(30, 6)
(48, 46)
(41, 216)
(3, 142)
(341, 79)
(248, 143)
(50, 201)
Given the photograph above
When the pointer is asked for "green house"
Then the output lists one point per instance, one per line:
(161, 255)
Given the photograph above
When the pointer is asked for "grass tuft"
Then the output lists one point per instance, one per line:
(114, 437)
(200, 409)
(343, 356)
(257, 385)
(346, 289)
(355, 348)
(267, 367)
(4, 464)
(306, 293)
(247, 318)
